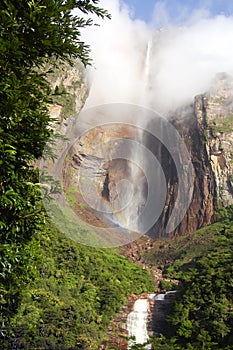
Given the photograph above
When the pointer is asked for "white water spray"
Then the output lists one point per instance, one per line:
(137, 178)
(147, 70)
(137, 322)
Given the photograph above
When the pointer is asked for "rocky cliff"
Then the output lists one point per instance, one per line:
(70, 90)
(206, 128)
(214, 112)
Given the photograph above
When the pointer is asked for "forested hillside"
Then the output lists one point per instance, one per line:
(75, 292)
(55, 294)
(202, 316)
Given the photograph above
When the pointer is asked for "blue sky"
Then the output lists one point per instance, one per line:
(144, 8)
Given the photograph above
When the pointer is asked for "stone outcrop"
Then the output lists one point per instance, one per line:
(214, 119)
(214, 112)
(207, 129)
(70, 90)
(91, 166)
(161, 306)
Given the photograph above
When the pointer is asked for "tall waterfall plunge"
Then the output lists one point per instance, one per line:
(117, 161)
(132, 193)
(136, 193)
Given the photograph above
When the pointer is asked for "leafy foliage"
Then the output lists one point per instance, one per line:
(31, 34)
(203, 313)
(75, 294)
(202, 316)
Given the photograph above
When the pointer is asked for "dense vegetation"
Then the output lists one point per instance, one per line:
(75, 292)
(55, 294)
(204, 312)
(202, 316)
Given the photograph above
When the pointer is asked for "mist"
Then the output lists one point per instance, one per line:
(161, 68)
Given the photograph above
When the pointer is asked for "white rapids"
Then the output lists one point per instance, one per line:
(137, 322)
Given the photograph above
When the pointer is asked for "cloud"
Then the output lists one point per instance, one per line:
(185, 60)
(161, 15)
(134, 62)
(177, 13)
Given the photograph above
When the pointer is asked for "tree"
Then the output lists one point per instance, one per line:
(32, 33)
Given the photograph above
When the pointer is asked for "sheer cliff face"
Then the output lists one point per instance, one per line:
(70, 88)
(206, 127)
(214, 112)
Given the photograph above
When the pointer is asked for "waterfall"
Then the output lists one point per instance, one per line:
(137, 323)
(137, 180)
(147, 65)
(162, 296)
(137, 164)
